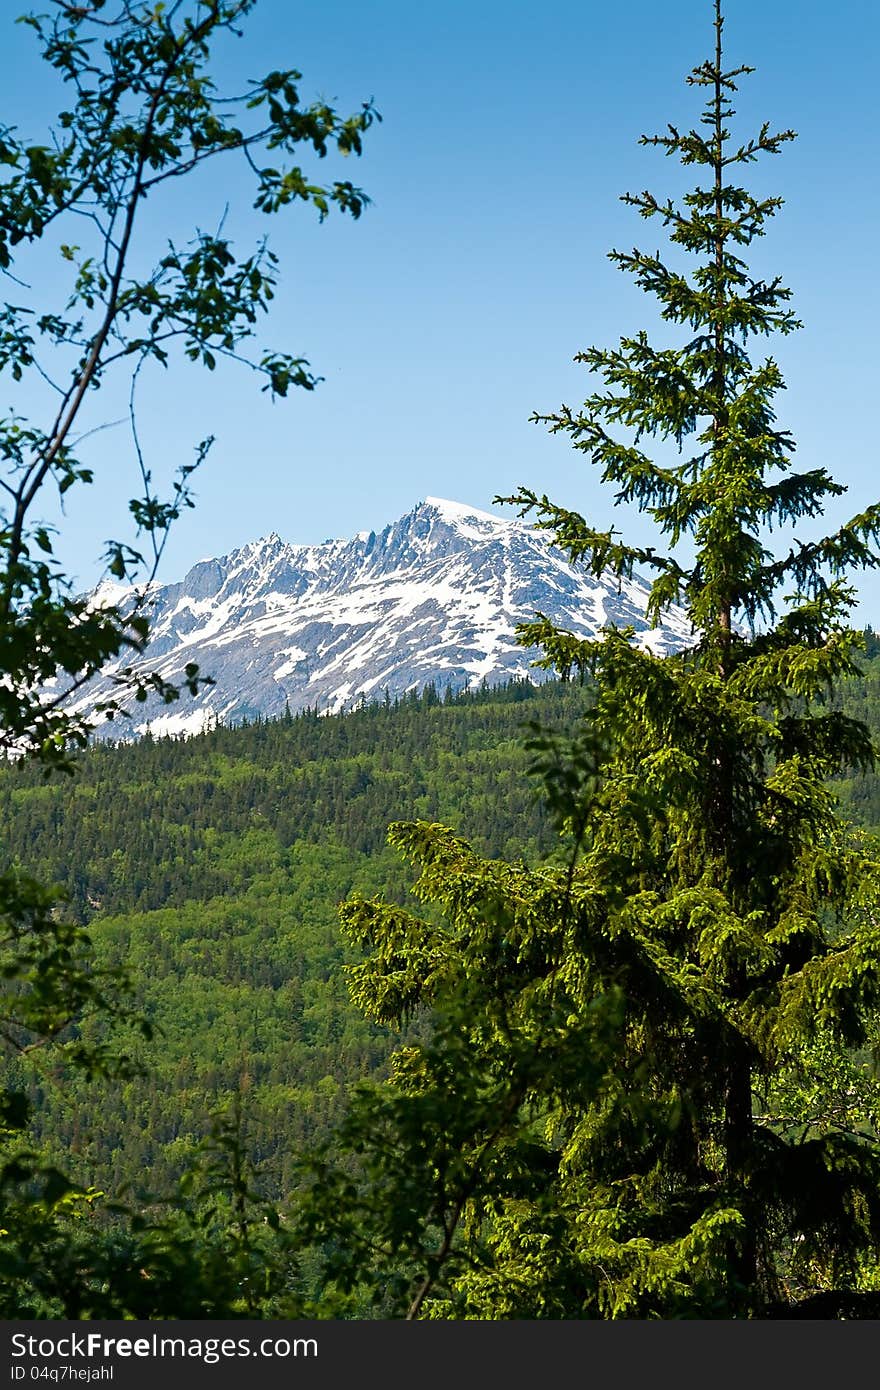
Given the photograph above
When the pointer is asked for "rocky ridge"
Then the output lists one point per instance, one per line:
(435, 597)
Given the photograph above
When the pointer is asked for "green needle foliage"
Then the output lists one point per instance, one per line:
(647, 1090)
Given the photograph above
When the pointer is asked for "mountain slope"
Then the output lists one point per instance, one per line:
(435, 597)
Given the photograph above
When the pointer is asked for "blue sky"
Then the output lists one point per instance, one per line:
(452, 310)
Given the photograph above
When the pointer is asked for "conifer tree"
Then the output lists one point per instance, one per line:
(646, 1092)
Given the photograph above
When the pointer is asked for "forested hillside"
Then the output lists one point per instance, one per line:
(212, 868)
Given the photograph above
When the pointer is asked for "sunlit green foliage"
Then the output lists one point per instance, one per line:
(620, 1090)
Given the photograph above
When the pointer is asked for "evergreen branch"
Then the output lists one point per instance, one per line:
(707, 74)
(851, 547)
(742, 220)
(764, 144)
(598, 550)
(757, 310)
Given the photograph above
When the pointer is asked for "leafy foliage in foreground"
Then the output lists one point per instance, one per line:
(142, 113)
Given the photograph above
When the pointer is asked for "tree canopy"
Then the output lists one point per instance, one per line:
(143, 114)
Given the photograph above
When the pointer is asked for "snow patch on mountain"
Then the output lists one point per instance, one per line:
(436, 596)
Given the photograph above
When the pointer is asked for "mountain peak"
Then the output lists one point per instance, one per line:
(436, 597)
(272, 541)
(468, 522)
(454, 509)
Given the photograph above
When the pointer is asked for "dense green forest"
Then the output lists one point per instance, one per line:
(212, 867)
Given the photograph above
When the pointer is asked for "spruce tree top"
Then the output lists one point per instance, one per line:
(734, 482)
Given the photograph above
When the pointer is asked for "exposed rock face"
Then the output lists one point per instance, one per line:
(435, 597)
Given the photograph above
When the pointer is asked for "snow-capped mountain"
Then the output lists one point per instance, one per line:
(435, 597)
